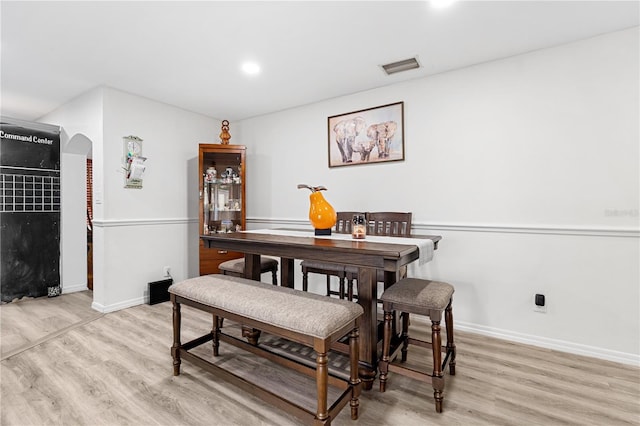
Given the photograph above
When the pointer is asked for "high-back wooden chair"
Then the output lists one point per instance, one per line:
(344, 222)
(343, 226)
(390, 224)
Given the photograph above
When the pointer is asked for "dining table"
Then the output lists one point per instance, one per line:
(370, 255)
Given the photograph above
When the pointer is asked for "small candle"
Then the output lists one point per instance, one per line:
(358, 227)
(359, 232)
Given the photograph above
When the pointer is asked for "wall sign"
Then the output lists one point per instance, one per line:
(133, 162)
(29, 209)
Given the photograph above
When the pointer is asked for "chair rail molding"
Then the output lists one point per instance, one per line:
(109, 223)
(596, 231)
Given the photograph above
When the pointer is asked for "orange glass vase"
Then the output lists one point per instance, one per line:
(321, 214)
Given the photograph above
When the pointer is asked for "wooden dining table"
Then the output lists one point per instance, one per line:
(368, 256)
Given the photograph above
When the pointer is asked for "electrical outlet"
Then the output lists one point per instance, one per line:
(540, 303)
(166, 271)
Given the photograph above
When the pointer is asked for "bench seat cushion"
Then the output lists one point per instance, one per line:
(302, 312)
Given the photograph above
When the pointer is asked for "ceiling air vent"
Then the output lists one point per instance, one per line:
(404, 65)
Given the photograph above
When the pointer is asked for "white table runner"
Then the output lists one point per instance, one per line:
(425, 245)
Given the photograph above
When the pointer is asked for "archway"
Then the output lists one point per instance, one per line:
(76, 229)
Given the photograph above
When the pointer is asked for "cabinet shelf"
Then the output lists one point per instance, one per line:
(220, 183)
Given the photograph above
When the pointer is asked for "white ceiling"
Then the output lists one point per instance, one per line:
(188, 54)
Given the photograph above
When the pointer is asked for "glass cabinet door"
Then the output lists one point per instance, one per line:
(222, 206)
(222, 198)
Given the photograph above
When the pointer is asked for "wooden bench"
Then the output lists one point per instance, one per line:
(309, 319)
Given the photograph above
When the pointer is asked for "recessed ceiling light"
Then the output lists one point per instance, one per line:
(440, 4)
(251, 68)
(404, 65)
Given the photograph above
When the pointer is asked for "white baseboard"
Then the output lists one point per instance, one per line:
(118, 306)
(74, 288)
(558, 345)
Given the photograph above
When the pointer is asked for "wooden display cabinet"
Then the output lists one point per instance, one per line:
(221, 169)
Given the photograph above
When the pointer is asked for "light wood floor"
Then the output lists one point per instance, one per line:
(30, 321)
(64, 364)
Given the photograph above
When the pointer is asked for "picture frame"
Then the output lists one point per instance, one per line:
(367, 136)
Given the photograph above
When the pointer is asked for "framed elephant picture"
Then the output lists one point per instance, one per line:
(373, 135)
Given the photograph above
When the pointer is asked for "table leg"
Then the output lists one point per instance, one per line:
(368, 299)
(251, 334)
(286, 272)
(252, 266)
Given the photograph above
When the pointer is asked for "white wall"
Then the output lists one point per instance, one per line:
(528, 168)
(143, 230)
(136, 231)
(81, 121)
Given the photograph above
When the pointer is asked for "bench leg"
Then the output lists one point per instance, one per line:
(354, 380)
(175, 349)
(322, 383)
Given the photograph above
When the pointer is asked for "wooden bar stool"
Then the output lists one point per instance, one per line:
(235, 267)
(420, 297)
